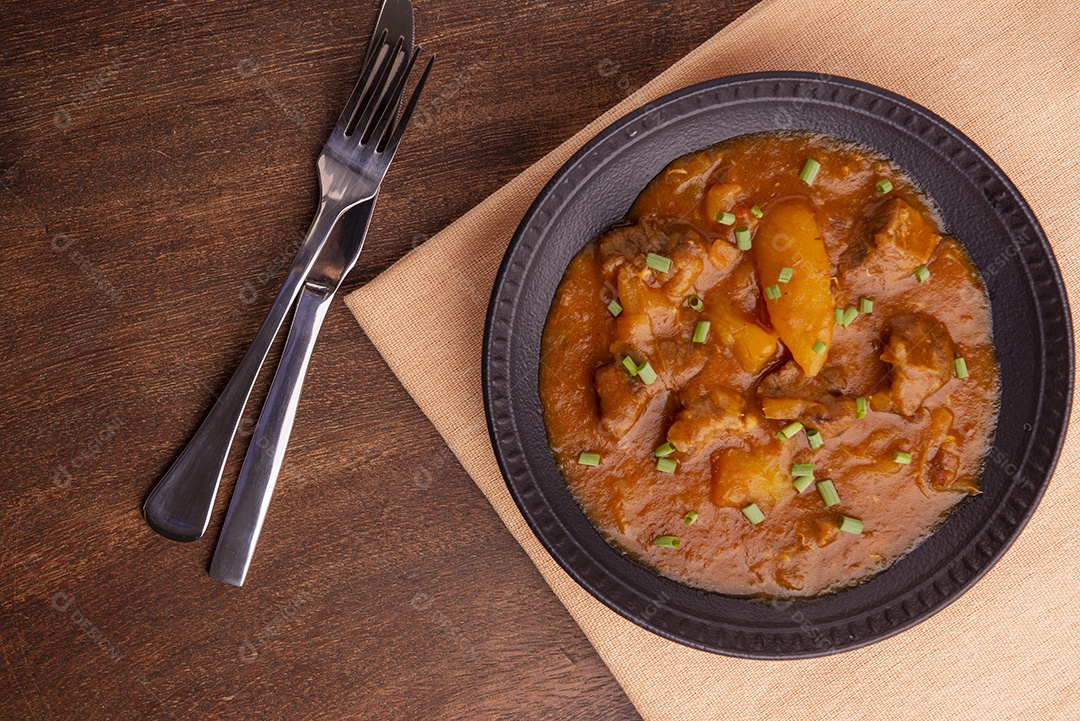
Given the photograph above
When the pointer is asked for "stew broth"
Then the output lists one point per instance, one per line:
(834, 311)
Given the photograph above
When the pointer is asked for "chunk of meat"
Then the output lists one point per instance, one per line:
(899, 241)
(628, 245)
(622, 399)
(708, 418)
(677, 361)
(939, 463)
(920, 352)
(789, 394)
(789, 237)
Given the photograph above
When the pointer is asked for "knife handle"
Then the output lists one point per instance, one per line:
(250, 500)
(179, 507)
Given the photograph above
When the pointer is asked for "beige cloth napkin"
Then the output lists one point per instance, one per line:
(1008, 75)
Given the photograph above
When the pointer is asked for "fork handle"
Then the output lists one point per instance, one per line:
(258, 476)
(179, 507)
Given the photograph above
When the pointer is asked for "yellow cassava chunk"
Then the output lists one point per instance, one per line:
(802, 316)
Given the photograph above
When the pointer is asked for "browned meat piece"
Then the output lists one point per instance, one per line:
(900, 241)
(921, 354)
(629, 244)
(622, 399)
(707, 419)
(940, 463)
(789, 394)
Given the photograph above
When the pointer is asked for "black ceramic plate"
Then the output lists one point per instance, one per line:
(979, 205)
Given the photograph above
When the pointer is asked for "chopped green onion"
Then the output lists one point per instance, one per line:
(785, 275)
(753, 513)
(922, 273)
(814, 439)
(614, 307)
(849, 316)
(809, 171)
(860, 407)
(664, 450)
(695, 302)
(901, 457)
(666, 465)
(689, 518)
(630, 365)
(701, 331)
(658, 262)
(802, 469)
(646, 373)
(772, 292)
(756, 212)
(742, 239)
(818, 348)
(884, 186)
(666, 541)
(850, 525)
(725, 218)
(838, 315)
(866, 305)
(828, 493)
(802, 483)
(789, 430)
(589, 459)
(960, 365)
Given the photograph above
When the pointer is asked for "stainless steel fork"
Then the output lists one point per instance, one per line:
(356, 160)
(179, 507)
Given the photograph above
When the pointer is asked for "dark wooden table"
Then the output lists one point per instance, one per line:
(157, 172)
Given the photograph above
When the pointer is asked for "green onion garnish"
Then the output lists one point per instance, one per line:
(802, 483)
(725, 218)
(589, 459)
(818, 348)
(901, 457)
(666, 465)
(850, 525)
(753, 513)
(960, 365)
(742, 239)
(789, 430)
(630, 365)
(922, 273)
(614, 307)
(860, 407)
(814, 439)
(785, 275)
(884, 186)
(828, 493)
(646, 373)
(809, 171)
(849, 316)
(772, 292)
(664, 450)
(866, 305)
(695, 302)
(838, 315)
(701, 331)
(802, 469)
(658, 262)
(666, 541)
(756, 212)
(689, 518)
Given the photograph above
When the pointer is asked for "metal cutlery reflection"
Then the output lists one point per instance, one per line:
(355, 160)
(179, 507)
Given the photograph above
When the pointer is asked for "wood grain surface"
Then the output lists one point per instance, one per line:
(156, 174)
